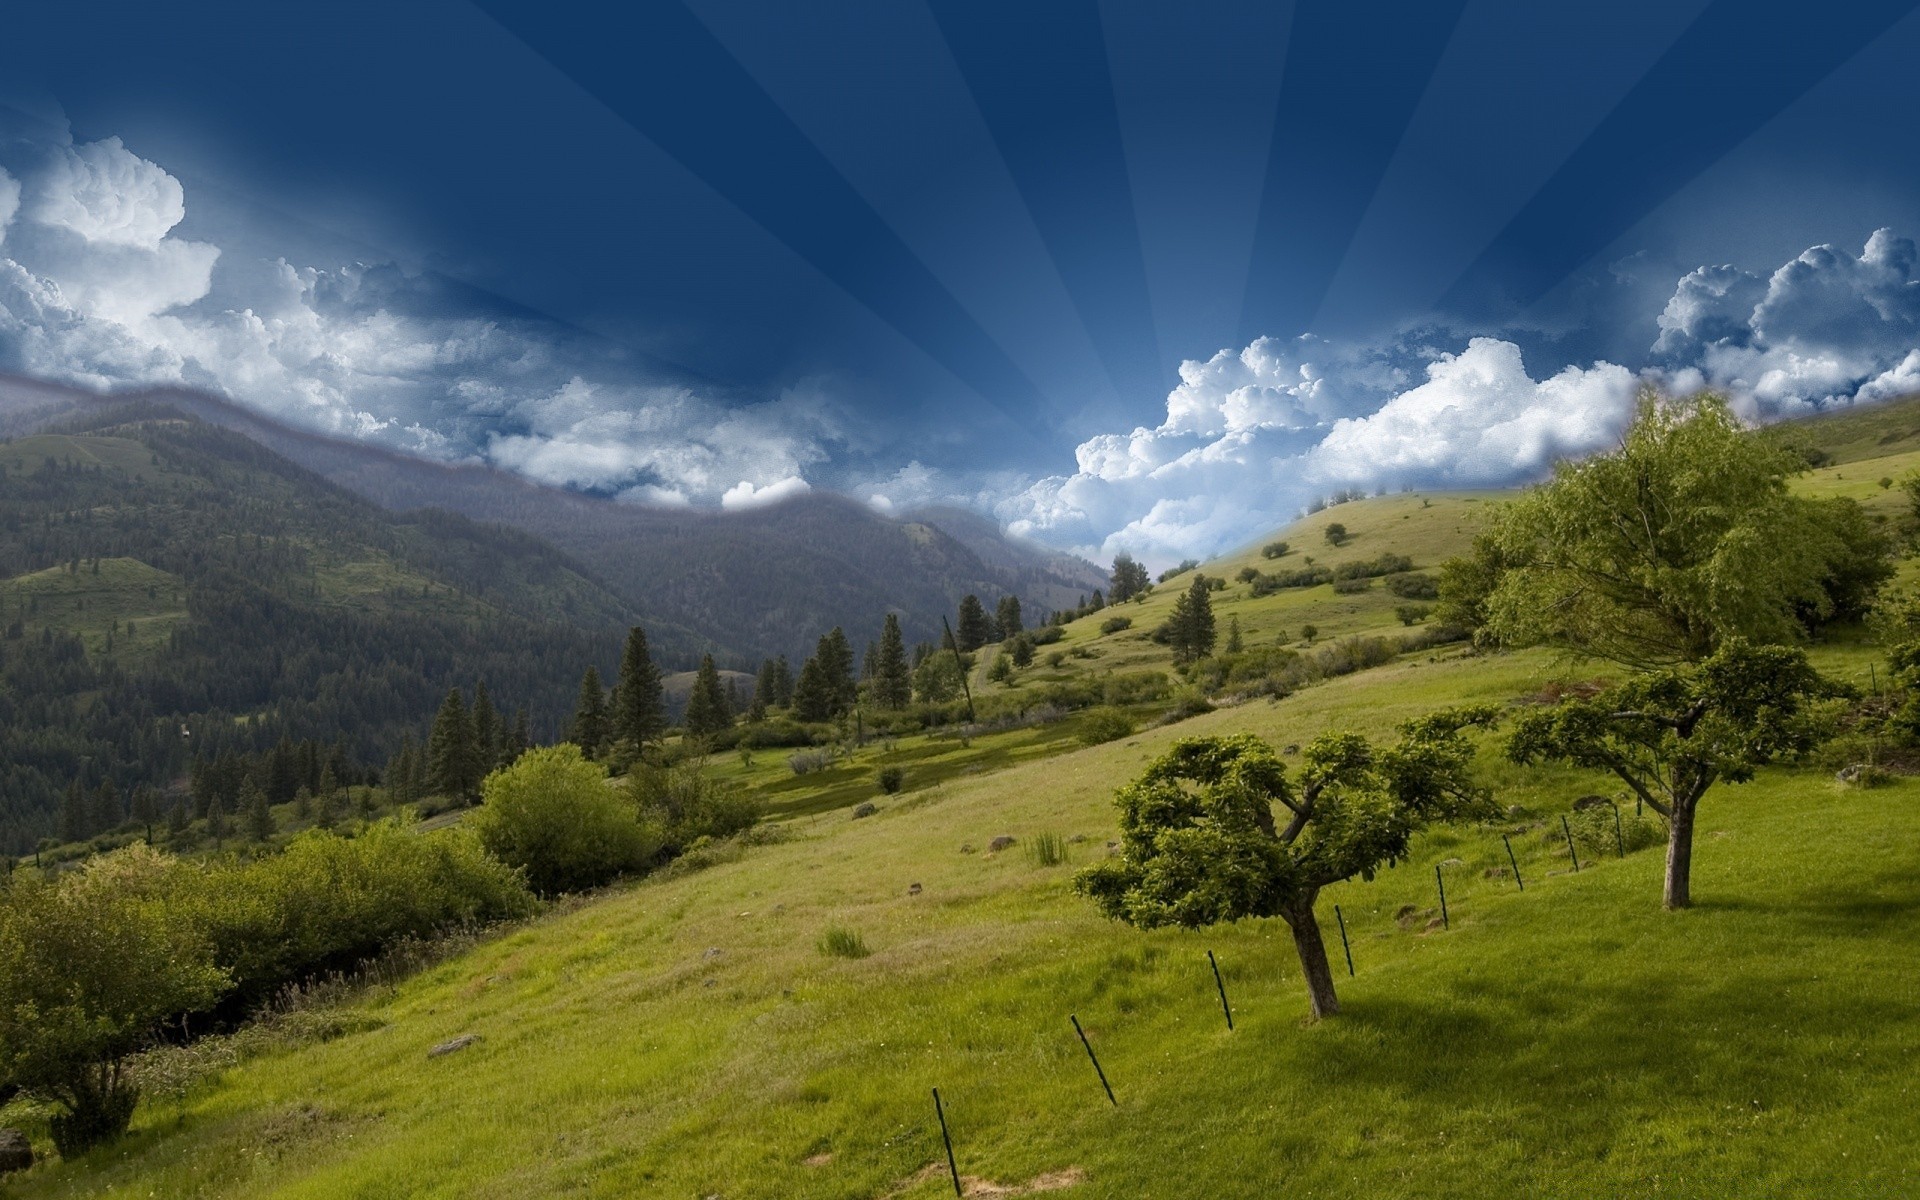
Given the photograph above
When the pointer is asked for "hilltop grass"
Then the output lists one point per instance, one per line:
(684, 1037)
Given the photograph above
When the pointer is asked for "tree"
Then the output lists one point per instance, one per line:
(454, 768)
(1022, 651)
(590, 715)
(1234, 643)
(1006, 615)
(330, 784)
(216, 822)
(1645, 558)
(1671, 734)
(518, 741)
(1128, 580)
(892, 680)
(259, 815)
(813, 695)
(553, 816)
(177, 819)
(107, 814)
(1274, 550)
(1336, 534)
(835, 655)
(937, 679)
(89, 968)
(1201, 843)
(707, 711)
(75, 819)
(975, 628)
(486, 727)
(1189, 628)
(641, 716)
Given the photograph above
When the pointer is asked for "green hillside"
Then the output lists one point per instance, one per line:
(687, 1036)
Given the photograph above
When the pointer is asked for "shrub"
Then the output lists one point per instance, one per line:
(553, 815)
(1134, 687)
(839, 942)
(891, 778)
(1350, 587)
(1057, 659)
(808, 761)
(1248, 574)
(1411, 614)
(1413, 585)
(1336, 533)
(1047, 849)
(1116, 624)
(685, 803)
(1274, 550)
(1104, 724)
(1594, 832)
(1046, 635)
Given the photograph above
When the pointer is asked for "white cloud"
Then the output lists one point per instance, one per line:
(104, 192)
(746, 495)
(9, 202)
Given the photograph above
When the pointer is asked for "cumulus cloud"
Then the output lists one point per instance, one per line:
(97, 287)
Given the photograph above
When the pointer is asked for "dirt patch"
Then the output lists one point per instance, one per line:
(973, 1185)
(1561, 690)
(818, 1160)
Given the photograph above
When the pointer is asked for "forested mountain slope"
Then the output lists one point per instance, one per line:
(170, 588)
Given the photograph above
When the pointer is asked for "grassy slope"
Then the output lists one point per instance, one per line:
(683, 1037)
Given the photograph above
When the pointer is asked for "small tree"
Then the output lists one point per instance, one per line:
(89, 968)
(892, 679)
(1274, 550)
(486, 728)
(641, 716)
(1671, 734)
(1201, 842)
(590, 715)
(1190, 629)
(1234, 643)
(454, 768)
(1336, 534)
(259, 816)
(707, 711)
(552, 815)
(1128, 580)
(1007, 616)
(975, 627)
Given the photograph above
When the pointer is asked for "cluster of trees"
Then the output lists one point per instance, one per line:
(1700, 583)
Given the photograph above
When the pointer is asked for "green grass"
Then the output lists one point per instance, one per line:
(1570, 1039)
(138, 604)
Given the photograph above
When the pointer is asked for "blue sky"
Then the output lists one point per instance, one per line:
(1126, 275)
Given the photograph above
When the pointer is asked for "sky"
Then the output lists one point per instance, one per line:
(1126, 276)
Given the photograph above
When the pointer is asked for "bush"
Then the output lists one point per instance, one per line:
(839, 942)
(1047, 850)
(685, 804)
(808, 761)
(1046, 635)
(1057, 659)
(1351, 587)
(1594, 833)
(1413, 585)
(1411, 614)
(1248, 574)
(1274, 550)
(1116, 624)
(891, 778)
(1386, 564)
(553, 815)
(1104, 724)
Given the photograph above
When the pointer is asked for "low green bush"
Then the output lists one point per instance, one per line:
(839, 942)
(1105, 724)
(554, 816)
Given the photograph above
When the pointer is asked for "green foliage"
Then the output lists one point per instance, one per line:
(454, 766)
(89, 967)
(708, 713)
(1189, 629)
(826, 688)
(840, 942)
(1115, 624)
(974, 628)
(686, 803)
(1129, 579)
(640, 716)
(1658, 552)
(937, 679)
(1671, 734)
(1006, 617)
(1104, 724)
(1413, 585)
(891, 778)
(589, 729)
(1336, 534)
(1274, 550)
(1411, 614)
(892, 677)
(1046, 849)
(554, 816)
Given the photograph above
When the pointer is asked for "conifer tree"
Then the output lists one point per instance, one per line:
(326, 811)
(74, 818)
(892, 679)
(253, 802)
(590, 715)
(1007, 616)
(146, 806)
(107, 813)
(283, 772)
(177, 819)
(486, 728)
(330, 786)
(836, 661)
(765, 692)
(1234, 644)
(1129, 579)
(453, 761)
(641, 716)
(813, 694)
(975, 629)
(707, 712)
(216, 821)
(1190, 626)
(518, 741)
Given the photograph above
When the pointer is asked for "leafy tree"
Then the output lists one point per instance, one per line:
(1274, 550)
(937, 679)
(975, 628)
(1002, 669)
(253, 803)
(1006, 615)
(1128, 579)
(454, 768)
(1646, 556)
(89, 968)
(330, 784)
(707, 711)
(1190, 628)
(590, 715)
(1671, 734)
(1201, 842)
(892, 680)
(641, 716)
(486, 727)
(1336, 534)
(553, 816)
(1411, 614)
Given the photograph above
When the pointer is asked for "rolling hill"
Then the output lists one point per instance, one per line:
(688, 1035)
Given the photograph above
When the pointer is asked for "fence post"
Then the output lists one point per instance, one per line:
(1571, 852)
(952, 1169)
(1224, 1006)
(1344, 944)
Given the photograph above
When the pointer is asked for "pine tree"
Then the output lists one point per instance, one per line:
(892, 678)
(590, 715)
(836, 661)
(329, 786)
(765, 692)
(107, 813)
(253, 802)
(1007, 616)
(975, 629)
(326, 811)
(518, 741)
(453, 760)
(642, 713)
(707, 712)
(1190, 626)
(486, 728)
(75, 823)
(1022, 651)
(1128, 580)
(146, 807)
(782, 682)
(283, 773)
(1234, 644)
(813, 694)
(216, 822)
(177, 819)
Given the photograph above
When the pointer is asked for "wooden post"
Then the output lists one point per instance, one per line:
(960, 662)
(952, 1169)
(1619, 837)
(1224, 1006)
(1095, 1059)
(1441, 881)
(1344, 944)
(1571, 852)
(1514, 861)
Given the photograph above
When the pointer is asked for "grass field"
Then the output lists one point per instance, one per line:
(690, 1035)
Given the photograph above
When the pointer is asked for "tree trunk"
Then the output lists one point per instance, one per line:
(1313, 958)
(1680, 856)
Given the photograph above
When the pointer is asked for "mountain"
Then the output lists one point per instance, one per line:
(745, 585)
(169, 589)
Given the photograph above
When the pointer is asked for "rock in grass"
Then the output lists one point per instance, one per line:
(1000, 843)
(16, 1153)
(865, 808)
(459, 1043)
(913, 889)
